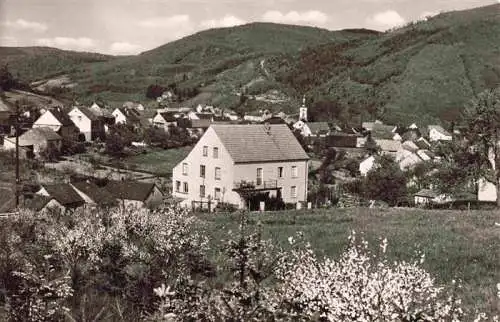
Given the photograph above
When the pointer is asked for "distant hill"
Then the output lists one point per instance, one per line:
(425, 71)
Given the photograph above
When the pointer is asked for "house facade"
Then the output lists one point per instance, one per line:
(91, 126)
(231, 162)
(438, 133)
(59, 122)
(164, 120)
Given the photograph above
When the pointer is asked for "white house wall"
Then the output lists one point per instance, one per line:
(194, 160)
(47, 119)
(487, 191)
(248, 172)
(82, 122)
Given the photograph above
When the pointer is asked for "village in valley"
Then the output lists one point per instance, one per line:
(261, 161)
(173, 161)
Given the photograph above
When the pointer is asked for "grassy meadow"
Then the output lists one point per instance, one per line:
(458, 245)
(158, 161)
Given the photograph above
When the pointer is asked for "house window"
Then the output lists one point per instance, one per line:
(217, 173)
(79, 118)
(178, 186)
(216, 153)
(259, 176)
(280, 172)
(186, 187)
(295, 172)
(202, 191)
(184, 169)
(293, 191)
(205, 151)
(217, 194)
(202, 171)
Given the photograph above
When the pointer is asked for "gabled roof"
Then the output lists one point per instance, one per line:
(427, 193)
(4, 107)
(439, 128)
(388, 145)
(62, 117)
(130, 190)
(131, 114)
(99, 195)
(381, 131)
(168, 116)
(205, 116)
(200, 124)
(88, 113)
(318, 127)
(259, 142)
(64, 194)
(38, 134)
(422, 143)
(36, 202)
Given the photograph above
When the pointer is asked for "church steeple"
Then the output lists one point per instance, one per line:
(303, 110)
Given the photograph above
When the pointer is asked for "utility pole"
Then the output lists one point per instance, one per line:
(16, 126)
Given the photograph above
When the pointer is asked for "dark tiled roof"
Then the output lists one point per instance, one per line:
(318, 127)
(439, 128)
(38, 134)
(381, 131)
(36, 202)
(253, 143)
(205, 116)
(64, 194)
(422, 144)
(98, 194)
(342, 140)
(168, 116)
(202, 123)
(130, 190)
(61, 116)
(88, 113)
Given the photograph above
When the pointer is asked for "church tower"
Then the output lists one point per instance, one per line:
(303, 110)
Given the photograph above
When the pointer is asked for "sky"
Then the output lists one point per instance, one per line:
(123, 27)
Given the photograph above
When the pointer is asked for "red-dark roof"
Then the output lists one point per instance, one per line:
(99, 195)
(64, 194)
(130, 190)
(259, 142)
(61, 116)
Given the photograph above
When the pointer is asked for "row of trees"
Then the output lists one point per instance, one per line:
(130, 265)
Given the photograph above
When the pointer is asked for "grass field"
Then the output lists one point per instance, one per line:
(160, 162)
(457, 245)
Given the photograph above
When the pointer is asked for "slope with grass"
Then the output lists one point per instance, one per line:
(425, 71)
(457, 245)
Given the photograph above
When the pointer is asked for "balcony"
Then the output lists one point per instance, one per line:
(259, 185)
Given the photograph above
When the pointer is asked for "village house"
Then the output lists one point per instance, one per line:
(5, 113)
(366, 165)
(307, 129)
(93, 195)
(164, 120)
(427, 197)
(126, 116)
(230, 163)
(59, 122)
(35, 141)
(42, 204)
(438, 133)
(64, 194)
(91, 126)
(135, 193)
(133, 105)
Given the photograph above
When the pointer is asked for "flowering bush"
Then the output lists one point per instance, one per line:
(360, 286)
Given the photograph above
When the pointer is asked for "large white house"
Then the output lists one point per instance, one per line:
(232, 163)
(91, 126)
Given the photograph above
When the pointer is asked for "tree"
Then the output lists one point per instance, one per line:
(370, 145)
(386, 182)
(7, 81)
(482, 121)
